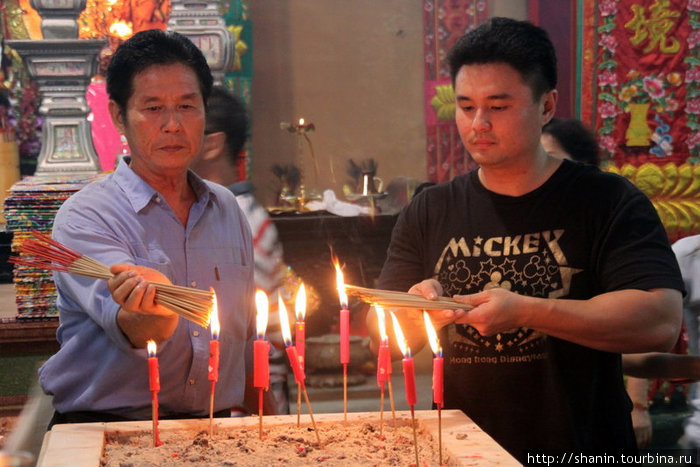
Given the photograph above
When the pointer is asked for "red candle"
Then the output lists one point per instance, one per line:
(154, 386)
(153, 373)
(382, 364)
(291, 350)
(300, 326)
(409, 378)
(438, 361)
(261, 347)
(437, 380)
(409, 375)
(344, 317)
(214, 344)
(383, 356)
(293, 356)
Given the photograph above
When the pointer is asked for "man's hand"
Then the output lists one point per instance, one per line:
(140, 318)
(494, 310)
(131, 287)
(431, 290)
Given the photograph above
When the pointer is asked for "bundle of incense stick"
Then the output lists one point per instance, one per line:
(46, 253)
(392, 299)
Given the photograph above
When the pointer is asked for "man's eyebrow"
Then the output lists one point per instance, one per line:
(504, 95)
(189, 96)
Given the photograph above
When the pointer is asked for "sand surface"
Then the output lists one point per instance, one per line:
(342, 444)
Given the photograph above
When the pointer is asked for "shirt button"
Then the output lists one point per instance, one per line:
(195, 333)
(191, 381)
(157, 199)
(193, 283)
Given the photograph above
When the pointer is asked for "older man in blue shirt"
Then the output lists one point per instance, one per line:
(152, 220)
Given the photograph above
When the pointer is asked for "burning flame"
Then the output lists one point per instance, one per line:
(214, 316)
(300, 304)
(121, 29)
(340, 283)
(262, 305)
(432, 335)
(152, 349)
(381, 323)
(301, 122)
(403, 345)
(284, 322)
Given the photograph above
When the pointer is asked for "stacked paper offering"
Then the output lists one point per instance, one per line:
(31, 205)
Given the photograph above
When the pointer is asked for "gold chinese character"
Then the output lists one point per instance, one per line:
(655, 28)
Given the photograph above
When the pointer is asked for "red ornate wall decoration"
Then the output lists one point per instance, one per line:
(640, 91)
(444, 21)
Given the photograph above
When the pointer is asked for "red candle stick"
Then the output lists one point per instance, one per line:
(261, 352)
(154, 386)
(344, 335)
(438, 363)
(383, 357)
(383, 361)
(293, 357)
(213, 357)
(300, 327)
(409, 377)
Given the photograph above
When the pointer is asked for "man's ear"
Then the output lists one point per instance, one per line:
(549, 105)
(213, 146)
(116, 114)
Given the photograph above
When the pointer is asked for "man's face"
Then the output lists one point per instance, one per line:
(498, 120)
(164, 122)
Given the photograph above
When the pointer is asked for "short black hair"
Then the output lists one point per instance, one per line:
(153, 47)
(574, 138)
(520, 44)
(227, 113)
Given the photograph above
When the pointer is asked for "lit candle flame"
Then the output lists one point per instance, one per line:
(152, 348)
(284, 322)
(301, 122)
(381, 323)
(340, 283)
(262, 305)
(300, 304)
(432, 335)
(214, 316)
(400, 339)
(121, 29)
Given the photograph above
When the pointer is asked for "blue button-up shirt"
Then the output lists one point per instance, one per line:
(121, 219)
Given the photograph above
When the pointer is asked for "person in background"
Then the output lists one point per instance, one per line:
(569, 138)
(688, 253)
(227, 129)
(152, 220)
(560, 267)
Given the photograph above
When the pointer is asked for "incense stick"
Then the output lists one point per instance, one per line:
(43, 252)
(260, 412)
(311, 414)
(391, 402)
(392, 299)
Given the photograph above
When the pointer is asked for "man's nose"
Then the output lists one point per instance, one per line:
(481, 121)
(172, 121)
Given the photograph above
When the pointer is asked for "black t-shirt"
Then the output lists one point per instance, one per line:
(582, 233)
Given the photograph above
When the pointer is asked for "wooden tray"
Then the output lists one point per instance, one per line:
(81, 445)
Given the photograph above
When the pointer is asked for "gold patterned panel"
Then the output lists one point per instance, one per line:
(673, 189)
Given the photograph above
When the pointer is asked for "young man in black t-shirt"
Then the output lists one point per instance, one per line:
(565, 266)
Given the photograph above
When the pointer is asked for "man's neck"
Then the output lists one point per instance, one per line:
(220, 171)
(518, 180)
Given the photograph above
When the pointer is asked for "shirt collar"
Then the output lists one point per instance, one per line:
(140, 194)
